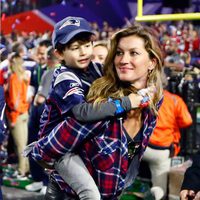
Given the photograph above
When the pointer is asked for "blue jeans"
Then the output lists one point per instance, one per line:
(73, 171)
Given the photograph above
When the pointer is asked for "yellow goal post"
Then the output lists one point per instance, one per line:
(163, 17)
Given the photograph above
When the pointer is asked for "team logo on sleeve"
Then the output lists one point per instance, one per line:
(74, 85)
(74, 90)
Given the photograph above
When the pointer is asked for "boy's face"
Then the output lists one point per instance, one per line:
(78, 55)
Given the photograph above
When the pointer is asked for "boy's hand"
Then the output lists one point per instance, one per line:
(187, 195)
(135, 100)
(197, 196)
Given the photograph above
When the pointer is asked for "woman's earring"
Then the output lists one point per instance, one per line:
(149, 72)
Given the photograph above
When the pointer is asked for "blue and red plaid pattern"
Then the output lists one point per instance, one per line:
(67, 136)
(104, 151)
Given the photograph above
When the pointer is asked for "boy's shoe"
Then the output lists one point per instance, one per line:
(35, 186)
(43, 190)
(157, 192)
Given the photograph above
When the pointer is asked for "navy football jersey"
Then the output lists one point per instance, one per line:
(69, 88)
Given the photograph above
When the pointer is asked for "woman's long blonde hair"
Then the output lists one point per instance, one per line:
(110, 86)
(16, 66)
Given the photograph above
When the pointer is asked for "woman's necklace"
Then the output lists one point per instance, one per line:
(133, 122)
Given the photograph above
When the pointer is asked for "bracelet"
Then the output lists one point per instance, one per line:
(119, 108)
(144, 102)
(143, 92)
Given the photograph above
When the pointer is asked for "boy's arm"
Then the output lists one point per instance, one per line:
(88, 112)
(69, 95)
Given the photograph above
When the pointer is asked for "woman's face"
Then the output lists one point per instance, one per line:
(132, 61)
(99, 54)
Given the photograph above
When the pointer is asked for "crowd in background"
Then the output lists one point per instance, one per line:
(10, 7)
(181, 45)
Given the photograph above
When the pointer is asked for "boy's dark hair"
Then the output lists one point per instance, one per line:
(81, 38)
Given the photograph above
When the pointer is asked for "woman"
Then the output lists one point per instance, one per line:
(17, 109)
(100, 51)
(113, 148)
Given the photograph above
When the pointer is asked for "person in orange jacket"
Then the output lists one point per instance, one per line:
(17, 109)
(165, 140)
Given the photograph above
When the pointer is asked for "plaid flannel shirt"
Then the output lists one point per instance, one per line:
(104, 150)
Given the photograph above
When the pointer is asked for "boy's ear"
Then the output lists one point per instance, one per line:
(58, 54)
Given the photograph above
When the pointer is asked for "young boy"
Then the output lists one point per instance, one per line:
(72, 40)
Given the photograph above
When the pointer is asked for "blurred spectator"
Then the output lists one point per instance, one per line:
(165, 140)
(41, 59)
(10, 7)
(37, 172)
(17, 109)
(19, 48)
(173, 59)
(195, 44)
(100, 51)
(3, 64)
(28, 64)
(43, 90)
